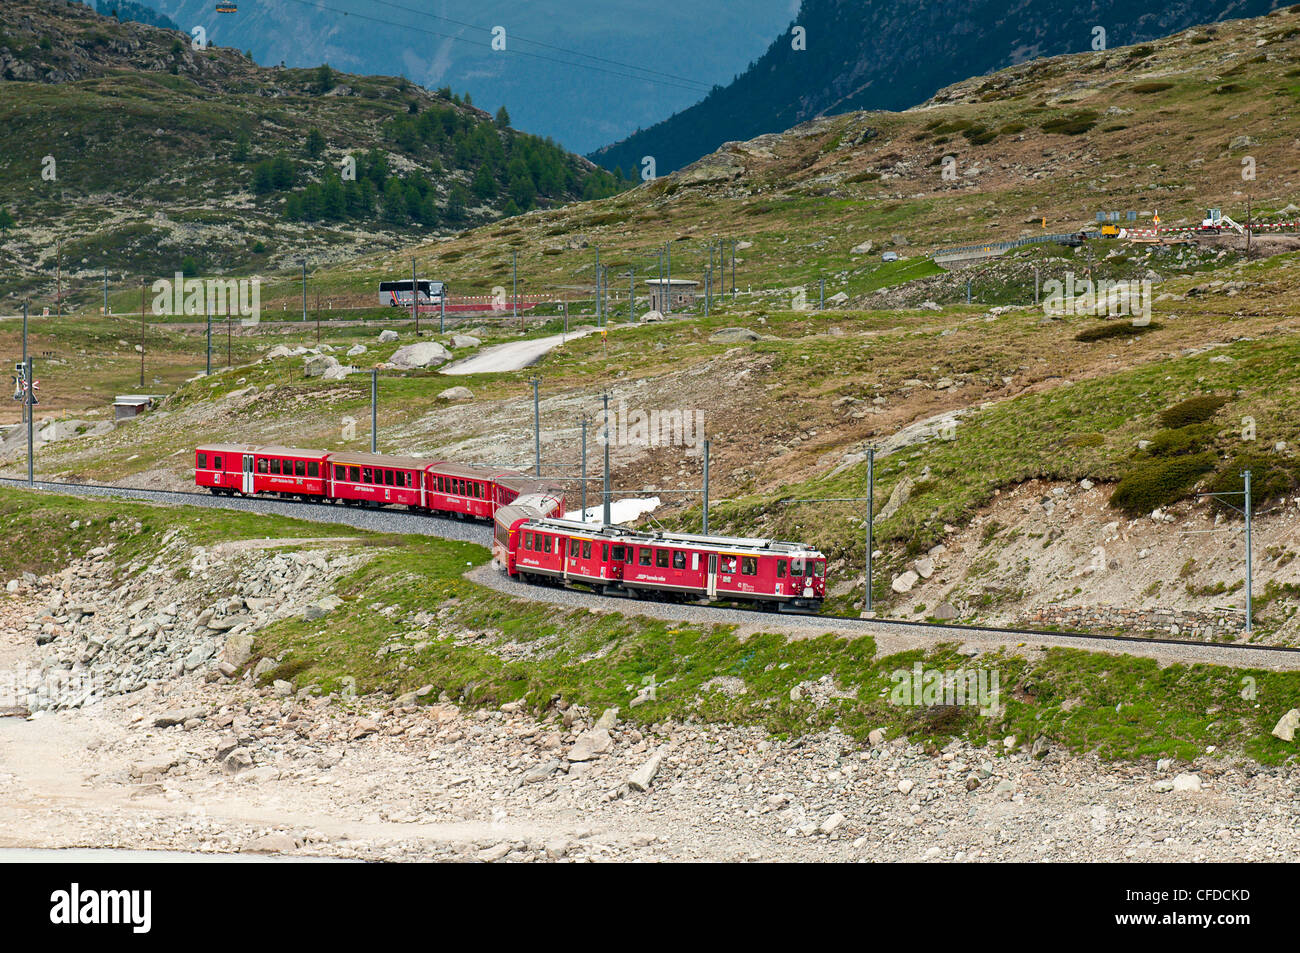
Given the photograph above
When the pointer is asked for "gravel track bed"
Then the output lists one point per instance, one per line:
(383, 521)
(891, 637)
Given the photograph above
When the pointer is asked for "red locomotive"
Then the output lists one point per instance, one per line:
(616, 560)
(367, 479)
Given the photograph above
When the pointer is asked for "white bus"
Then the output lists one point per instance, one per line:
(398, 293)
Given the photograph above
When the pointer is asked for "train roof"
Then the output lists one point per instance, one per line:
(640, 537)
(293, 452)
(468, 470)
(381, 460)
(224, 448)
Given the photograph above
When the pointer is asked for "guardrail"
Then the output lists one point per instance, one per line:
(993, 247)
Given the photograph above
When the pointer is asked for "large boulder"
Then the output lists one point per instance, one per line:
(423, 354)
(464, 340)
(356, 350)
(456, 393)
(387, 337)
(318, 364)
(338, 372)
(733, 336)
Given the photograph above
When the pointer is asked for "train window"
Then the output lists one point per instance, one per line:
(546, 541)
(388, 478)
(367, 475)
(749, 566)
(203, 461)
(216, 463)
(313, 469)
(261, 465)
(661, 558)
(604, 552)
(818, 569)
(299, 468)
(695, 561)
(645, 556)
(796, 568)
(780, 569)
(478, 491)
(410, 478)
(618, 554)
(586, 549)
(627, 555)
(354, 474)
(679, 560)
(728, 563)
(528, 540)
(275, 468)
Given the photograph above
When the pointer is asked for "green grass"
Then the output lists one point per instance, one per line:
(483, 649)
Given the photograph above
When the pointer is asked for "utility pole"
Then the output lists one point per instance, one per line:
(207, 320)
(318, 317)
(707, 276)
(28, 405)
(582, 422)
(415, 299)
(537, 425)
(871, 519)
(706, 486)
(304, 290)
(1250, 621)
(821, 294)
(374, 410)
(105, 291)
(668, 272)
(733, 268)
(442, 309)
(142, 326)
(605, 512)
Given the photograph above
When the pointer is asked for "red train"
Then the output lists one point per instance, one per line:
(366, 479)
(616, 560)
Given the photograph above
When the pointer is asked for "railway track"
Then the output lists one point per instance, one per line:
(395, 521)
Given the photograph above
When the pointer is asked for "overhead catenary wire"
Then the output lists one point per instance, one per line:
(677, 82)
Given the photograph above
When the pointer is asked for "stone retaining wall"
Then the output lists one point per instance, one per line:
(1204, 625)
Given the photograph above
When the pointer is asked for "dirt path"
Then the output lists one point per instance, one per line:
(513, 355)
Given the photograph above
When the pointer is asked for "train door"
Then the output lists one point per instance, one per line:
(713, 575)
(248, 473)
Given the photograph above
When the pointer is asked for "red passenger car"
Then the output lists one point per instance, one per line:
(679, 567)
(224, 468)
(289, 471)
(373, 478)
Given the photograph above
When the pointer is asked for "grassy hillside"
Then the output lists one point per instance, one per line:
(1161, 127)
(405, 612)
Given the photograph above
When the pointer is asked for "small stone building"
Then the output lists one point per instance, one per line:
(675, 294)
